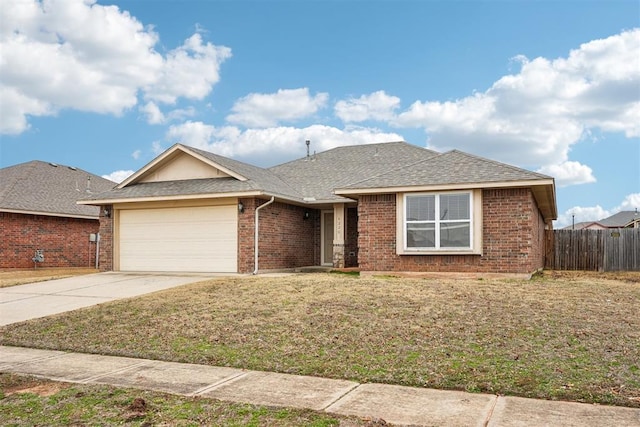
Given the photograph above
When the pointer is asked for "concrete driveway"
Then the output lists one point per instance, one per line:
(33, 300)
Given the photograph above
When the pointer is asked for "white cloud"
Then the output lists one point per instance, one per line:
(282, 143)
(630, 203)
(264, 110)
(569, 173)
(76, 54)
(190, 71)
(535, 116)
(152, 113)
(136, 154)
(118, 176)
(375, 106)
(154, 116)
(595, 213)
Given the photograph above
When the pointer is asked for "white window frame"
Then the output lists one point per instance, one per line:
(475, 225)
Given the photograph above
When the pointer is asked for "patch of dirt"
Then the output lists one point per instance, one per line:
(137, 409)
(44, 389)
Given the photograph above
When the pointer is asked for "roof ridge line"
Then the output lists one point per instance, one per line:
(436, 155)
(342, 147)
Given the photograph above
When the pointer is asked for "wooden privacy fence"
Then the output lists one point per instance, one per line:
(612, 249)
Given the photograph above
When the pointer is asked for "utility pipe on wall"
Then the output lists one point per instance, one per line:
(97, 250)
(255, 238)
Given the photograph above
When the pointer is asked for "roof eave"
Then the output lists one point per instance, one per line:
(237, 194)
(110, 201)
(442, 187)
(54, 214)
(543, 191)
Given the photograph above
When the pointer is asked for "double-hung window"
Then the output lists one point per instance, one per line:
(438, 221)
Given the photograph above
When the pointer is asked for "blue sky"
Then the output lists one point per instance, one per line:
(551, 86)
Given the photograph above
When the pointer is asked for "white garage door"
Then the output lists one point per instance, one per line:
(202, 239)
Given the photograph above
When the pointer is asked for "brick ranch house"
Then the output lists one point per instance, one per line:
(38, 211)
(389, 207)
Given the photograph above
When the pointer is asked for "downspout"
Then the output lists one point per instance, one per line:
(97, 250)
(255, 237)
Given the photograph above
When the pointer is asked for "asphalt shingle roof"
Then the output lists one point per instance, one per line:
(314, 179)
(318, 175)
(620, 219)
(452, 167)
(173, 188)
(257, 179)
(47, 188)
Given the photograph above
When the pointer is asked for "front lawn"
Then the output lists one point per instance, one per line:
(558, 336)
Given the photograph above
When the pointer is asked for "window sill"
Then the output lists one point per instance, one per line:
(440, 252)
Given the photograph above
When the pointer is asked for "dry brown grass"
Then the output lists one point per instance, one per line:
(558, 336)
(13, 277)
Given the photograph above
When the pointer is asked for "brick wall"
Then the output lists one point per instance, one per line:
(286, 240)
(351, 238)
(105, 261)
(513, 238)
(65, 241)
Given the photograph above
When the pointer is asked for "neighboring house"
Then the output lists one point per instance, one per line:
(623, 219)
(38, 211)
(387, 207)
(585, 225)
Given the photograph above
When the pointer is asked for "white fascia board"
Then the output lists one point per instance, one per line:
(148, 166)
(58, 215)
(176, 197)
(169, 152)
(443, 187)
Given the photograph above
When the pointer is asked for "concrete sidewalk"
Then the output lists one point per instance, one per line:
(394, 404)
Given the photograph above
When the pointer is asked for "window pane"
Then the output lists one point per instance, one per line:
(421, 235)
(455, 235)
(454, 206)
(421, 208)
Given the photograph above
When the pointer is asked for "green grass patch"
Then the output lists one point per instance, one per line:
(27, 401)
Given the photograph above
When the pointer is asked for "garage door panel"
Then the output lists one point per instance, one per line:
(179, 239)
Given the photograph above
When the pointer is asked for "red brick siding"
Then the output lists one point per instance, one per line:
(286, 240)
(512, 240)
(377, 232)
(351, 238)
(65, 241)
(105, 261)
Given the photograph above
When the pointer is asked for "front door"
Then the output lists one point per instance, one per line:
(327, 238)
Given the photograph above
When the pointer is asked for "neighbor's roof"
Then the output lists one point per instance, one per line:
(42, 188)
(584, 225)
(621, 219)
